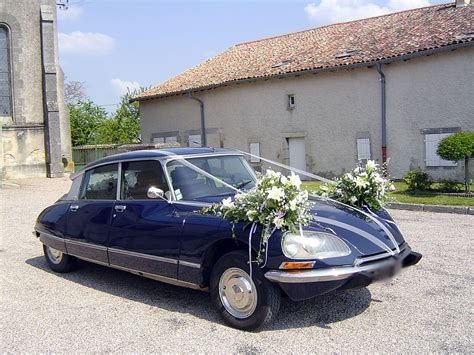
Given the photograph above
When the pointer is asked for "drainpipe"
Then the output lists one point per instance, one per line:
(384, 112)
(203, 124)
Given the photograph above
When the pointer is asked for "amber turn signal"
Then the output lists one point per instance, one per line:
(297, 265)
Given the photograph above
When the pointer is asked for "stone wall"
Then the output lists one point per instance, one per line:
(38, 106)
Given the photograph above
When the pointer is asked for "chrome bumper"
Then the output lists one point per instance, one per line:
(393, 263)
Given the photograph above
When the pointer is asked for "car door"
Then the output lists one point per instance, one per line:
(89, 217)
(145, 233)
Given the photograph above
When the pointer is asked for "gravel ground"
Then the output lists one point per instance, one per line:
(427, 308)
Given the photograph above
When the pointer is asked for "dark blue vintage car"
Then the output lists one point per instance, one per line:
(137, 212)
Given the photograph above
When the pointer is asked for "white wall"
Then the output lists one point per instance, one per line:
(332, 111)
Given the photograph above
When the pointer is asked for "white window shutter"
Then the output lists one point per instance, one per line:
(363, 149)
(255, 150)
(431, 146)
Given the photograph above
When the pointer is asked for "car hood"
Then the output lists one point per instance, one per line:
(366, 231)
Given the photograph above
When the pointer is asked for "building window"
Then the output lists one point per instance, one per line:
(363, 149)
(291, 101)
(5, 79)
(166, 139)
(431, 146)
(194, 140)
(255, 150)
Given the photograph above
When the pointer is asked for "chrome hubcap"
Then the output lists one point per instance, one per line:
(238, 293)
(54, 255)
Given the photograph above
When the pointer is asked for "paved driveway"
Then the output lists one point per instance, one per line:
(426, 308)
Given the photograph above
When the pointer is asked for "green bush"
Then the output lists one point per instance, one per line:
(449, 186)
(417, 180)
(458, 146)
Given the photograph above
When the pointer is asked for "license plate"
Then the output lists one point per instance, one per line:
(387, 271)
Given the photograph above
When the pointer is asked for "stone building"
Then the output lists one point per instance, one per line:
(35, 134)
(322, 99)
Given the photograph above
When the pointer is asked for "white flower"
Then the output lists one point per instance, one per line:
(278, 222)
(353, 199)
(275, 193)
(273, 174)
(295, 180)
(293, 204)
(361, 182)
(228, 203)
(370, 166)
(284, 180)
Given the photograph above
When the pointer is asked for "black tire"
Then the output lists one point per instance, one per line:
(268, 294)
(62, 264)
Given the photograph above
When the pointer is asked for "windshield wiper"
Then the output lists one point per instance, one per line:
(242, 184)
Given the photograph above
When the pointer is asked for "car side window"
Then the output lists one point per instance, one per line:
(139, 176)
(100, 183)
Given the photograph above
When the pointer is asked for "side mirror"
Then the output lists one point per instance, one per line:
(154, 192)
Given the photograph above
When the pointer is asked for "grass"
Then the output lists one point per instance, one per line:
(402, 195)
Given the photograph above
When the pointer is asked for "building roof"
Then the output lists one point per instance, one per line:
(384, 38)
(159, 153)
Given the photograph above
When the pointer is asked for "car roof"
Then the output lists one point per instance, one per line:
(159, 153)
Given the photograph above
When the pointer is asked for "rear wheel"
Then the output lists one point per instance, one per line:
(244, 303)
(57, 260)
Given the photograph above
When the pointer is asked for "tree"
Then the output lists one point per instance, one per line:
(124, 125)
(74, 91)
(86, 117)
(456, 147)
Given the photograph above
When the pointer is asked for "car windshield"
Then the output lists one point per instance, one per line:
(190, 184)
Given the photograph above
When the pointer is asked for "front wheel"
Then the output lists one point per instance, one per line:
(244, 303)
(57, 260)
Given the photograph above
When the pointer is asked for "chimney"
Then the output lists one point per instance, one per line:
(461, 3)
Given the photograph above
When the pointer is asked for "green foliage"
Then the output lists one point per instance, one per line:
(123, 126)
(91, 124)
(447, 185)
(417, 180)
(364, 186)
(85, 118)
(457, 146)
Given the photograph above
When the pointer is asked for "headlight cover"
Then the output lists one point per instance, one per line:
(313, 245)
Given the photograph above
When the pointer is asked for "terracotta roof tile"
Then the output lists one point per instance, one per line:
(343, 44)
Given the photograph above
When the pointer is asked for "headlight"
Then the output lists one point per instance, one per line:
(313, 245)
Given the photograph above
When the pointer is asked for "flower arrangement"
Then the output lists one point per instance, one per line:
(364, 186)
(276, 202)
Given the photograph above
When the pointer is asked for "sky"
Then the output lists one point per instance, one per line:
(116, 45)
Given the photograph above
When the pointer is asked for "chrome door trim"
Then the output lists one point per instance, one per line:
(165, 279)
(187, 263)
(160, 278)
(119, 182)
(145, 256)
(90, 260)
(85, 244)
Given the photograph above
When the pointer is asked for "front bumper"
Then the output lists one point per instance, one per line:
(304, 284)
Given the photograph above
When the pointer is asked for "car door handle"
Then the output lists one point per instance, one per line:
(120, 208)
(73, 208)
